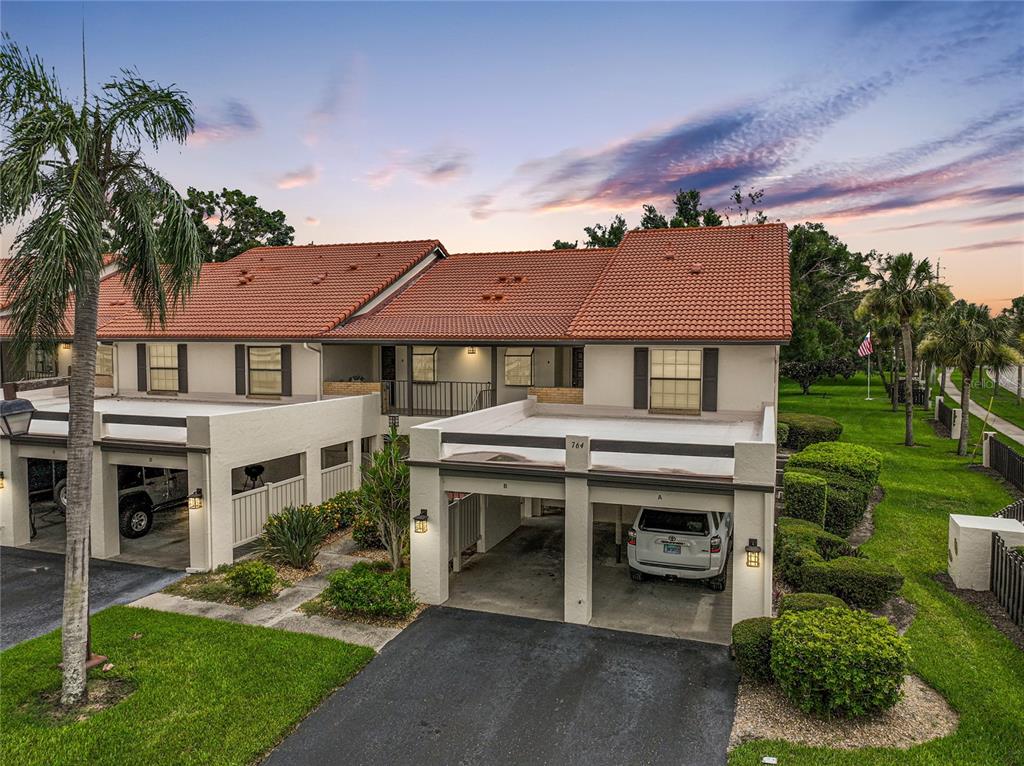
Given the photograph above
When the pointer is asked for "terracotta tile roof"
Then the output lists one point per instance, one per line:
(719, 283)
(281, 292)
(487, 296)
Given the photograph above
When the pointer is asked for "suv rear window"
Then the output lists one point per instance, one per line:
(652, 520)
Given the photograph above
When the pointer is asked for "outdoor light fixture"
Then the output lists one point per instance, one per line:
(2, 482)
(195, 500)
(471, 350)
(420, 520)
(65, 346)
(16, 416)
(753, 553)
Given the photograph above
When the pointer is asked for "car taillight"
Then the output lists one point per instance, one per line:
(716, 544)
(631, 537)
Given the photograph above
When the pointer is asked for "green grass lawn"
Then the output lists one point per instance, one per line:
(1004, 404)
(207, 692)
(953, 646)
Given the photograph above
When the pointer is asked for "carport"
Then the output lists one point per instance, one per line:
(591, 461)
(211, 441)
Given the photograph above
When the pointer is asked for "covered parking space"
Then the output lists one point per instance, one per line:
(307, 452)
(577, 477)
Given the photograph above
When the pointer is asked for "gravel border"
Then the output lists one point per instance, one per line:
(764, 712)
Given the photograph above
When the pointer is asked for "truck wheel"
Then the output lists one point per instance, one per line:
(636, 575)
(60, 495)
(717, 583)
(136, 518)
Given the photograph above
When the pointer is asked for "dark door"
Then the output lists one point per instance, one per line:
(577, 367)
(387, 362)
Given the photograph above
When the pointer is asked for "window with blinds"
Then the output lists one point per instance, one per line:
(519, 367)
(424, 364)
(104, 360)
(163, 366)
(265, 370)
(675, 379)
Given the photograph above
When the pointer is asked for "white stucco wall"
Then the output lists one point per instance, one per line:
(969, 555)
(501, 517)
(608, 375)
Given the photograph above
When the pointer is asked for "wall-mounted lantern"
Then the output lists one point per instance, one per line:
(471, 350)
(753, 553)
(65, 346)
(420, 521)
(195, 500)
(16, 416)
(3, 483)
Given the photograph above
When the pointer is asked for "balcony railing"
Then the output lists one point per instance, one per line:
(440, 398)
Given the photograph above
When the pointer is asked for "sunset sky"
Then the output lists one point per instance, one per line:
(497, 126)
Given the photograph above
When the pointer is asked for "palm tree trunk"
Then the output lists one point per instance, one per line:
(75, 624)
(908, 383)
(942, 391)
(995, 382)
(965, 412)
(1020, 382)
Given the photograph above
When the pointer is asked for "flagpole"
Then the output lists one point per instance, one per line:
(869, 399)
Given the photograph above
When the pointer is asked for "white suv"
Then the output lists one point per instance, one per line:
(691, 545)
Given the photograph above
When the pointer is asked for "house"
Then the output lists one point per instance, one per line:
(592, 380)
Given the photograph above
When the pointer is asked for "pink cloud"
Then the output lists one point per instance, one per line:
(295, 179)
(312, 220)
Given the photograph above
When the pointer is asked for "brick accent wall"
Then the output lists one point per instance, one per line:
(351, 387)
(556, 395)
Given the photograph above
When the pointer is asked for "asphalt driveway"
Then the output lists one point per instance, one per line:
(32, 590)
(464, 687)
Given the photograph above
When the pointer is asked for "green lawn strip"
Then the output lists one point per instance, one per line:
(953, 646)
(1004, 405)
(207, 692)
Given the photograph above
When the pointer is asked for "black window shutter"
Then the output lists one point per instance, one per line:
(640, 359)
(240, 369)
(709, 386)
(286, 370)
(140, 355)
(183, 368)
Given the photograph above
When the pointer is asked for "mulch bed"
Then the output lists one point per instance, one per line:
(213, 586)
(862, 532)
(103, 693)
(1015, 493)
(985, 602)
(319, 607)
(764, 712)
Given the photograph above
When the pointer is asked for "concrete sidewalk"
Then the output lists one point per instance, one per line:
(995, 423)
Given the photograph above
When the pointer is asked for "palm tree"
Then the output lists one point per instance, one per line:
(1015, 315)
(966, 336)
(72, 172)
(903, 290)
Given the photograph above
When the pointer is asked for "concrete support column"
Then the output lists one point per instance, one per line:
(428, 551)
(579, 534)
(753, 519)
(355, 456)
(536, 507)
(211, 528)
(105, 533)
(957, 421)
(938, 401)
(199, 518)
(986, 448)
(14, 513)
(314, 483)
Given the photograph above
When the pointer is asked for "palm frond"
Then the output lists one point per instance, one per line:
(138, 108)
(26, 86)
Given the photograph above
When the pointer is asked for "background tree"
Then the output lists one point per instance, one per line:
(384, 495)
(652, 219)
(561, 244)
(902, 290)
(72, 171)
(746, 206)
(690, 212)
(966, 336)
(1015, 316)
(611, 235)
(230, 222)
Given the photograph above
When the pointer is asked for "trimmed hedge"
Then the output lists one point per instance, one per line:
(853, 460)
(857, 581)
(781, 434)
(804, 496)
(845, 502)
(752, 647)
(838, 662)
(254, 579)
(801, 602)
(805, 429)
(371, 590)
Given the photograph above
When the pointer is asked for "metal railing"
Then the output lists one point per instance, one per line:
(1007, 581)
(1007, 462)
(440, 398)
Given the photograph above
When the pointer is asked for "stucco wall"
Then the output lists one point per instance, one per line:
(608, 375)
(501, 517)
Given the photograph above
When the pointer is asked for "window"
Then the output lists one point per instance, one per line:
(336, 454)
(424, 364)
(656, 520)
(519, 367)
(44, 362)
(265, 370)
(105, 360)
(163, 366)
(675, 379)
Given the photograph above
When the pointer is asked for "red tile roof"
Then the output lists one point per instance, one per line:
(281, 292)
(718, 283)
(530, 295)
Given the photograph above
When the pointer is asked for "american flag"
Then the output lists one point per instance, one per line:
(865, 346)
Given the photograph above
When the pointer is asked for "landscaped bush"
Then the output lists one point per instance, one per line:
(854, 460)
(807, 429)
(752, 647)
(800, 602)
(804, 496)
(295, 535)
(857, 581)
(781, 434)
(845, 501)
(371, 590)
(798, 542)
(838, 662)
(252, 578)
(341, 510)
(364, 531)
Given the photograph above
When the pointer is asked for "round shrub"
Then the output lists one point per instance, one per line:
(295, 535)
(800, 543)
(341, 509)
(781, 434)
(804, 496)
(807, 429)
(799, 602)
(846, 499)
(838, 662)
(854, 460)
(856, 580)
(752, 647)
(252, 578)
(371, 591)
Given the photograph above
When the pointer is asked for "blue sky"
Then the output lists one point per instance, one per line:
(504, 126)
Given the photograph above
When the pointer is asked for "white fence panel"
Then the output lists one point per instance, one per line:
(337, 478)
(463, 526)
(251, 509)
